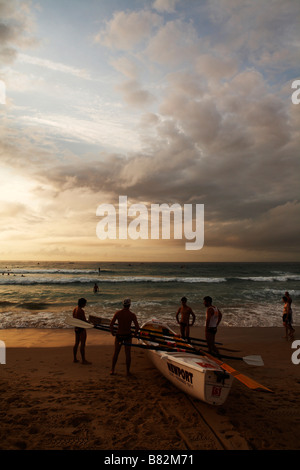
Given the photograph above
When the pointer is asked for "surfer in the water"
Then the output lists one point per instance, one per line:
(124, 318)
(184, 321)
(80, 333)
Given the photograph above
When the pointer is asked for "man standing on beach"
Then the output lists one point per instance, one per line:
(124, 318)
(213, 318)
(184, 321)
(287, 317)
(80, 333)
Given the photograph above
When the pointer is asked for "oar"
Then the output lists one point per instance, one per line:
(183, 347)
(179, 339)
(81, 324)
(71, 321)
(251, 360)
(250, 383)
(155, 338)
(254, 360)
(172, 335)
(156, 348)
(165, 333)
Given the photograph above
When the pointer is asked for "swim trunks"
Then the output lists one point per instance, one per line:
(287, 318)
(212, 330)
(121, 338)
(78, 329)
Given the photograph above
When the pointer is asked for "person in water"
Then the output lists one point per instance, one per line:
(96, 288)
(185, 313)
(80, 333)
(124, 318)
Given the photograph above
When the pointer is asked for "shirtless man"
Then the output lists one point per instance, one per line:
(287, 317)
(125, 318)
(213, 318)
(184, 321)
(80, 333)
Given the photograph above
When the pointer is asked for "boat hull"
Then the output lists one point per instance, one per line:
(198, 376)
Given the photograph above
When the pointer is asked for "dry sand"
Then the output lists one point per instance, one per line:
(48, 402)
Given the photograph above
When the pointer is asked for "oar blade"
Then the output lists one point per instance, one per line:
(71, 321)
(250, 383)
(253, 360)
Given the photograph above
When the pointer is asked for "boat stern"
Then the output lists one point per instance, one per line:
(217, 386)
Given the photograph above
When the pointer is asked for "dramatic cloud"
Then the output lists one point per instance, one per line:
(165, 5)
(194, 106)
(174, 43)
(134, 95)
(126, 30)
(16, 28)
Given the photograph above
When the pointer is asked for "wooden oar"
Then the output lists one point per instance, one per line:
(253, 360)
(71, 321)
(179, 339)
(250, 383)
(158, 333)
(156, 348)
(172, 335)
(155, 338)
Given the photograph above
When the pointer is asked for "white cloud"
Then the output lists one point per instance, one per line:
(57, 66)
(126, 30)
(175, 42)
(214, 68)
(17, 26)
(126, 66)
(165, 5)
(134, 94)
(261, 34)
(97, 131)
(21, 82)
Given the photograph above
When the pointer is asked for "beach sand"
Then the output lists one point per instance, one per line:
(50, 403)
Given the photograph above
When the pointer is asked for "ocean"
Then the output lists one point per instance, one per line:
(42, 295)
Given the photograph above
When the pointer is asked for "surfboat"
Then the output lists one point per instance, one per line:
(196, 375)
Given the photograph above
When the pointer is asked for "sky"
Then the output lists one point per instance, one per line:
(161, 101)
